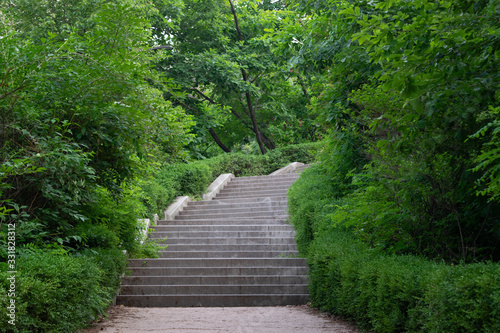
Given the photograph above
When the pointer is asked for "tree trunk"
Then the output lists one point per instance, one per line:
(218, 141)
(267, 141)
(304, 89)
(251, 111)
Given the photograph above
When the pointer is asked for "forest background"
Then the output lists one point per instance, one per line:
(111, 108)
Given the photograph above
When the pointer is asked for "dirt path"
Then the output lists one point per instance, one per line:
(287, 319)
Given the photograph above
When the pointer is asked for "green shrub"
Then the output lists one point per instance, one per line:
(150, 248)
(113, 263)
(241, 164)
(464, 298)
(394, 293)
(185, 179)
(305, 152)
(383, 292)
(238, 164)
(157, 193)
(192, 179)
(423, 188)
(119, 215)
(307, 203)
(98, 236)
(60, 293)
(321, 187)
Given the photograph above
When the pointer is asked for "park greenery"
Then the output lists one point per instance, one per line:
(109, 109)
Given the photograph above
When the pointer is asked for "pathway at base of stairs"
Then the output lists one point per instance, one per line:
(283, 319)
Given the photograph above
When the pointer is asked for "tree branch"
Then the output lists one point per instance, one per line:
(218, 141)
(251, 111)
(267, 141)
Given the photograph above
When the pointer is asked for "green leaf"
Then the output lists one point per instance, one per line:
(417, 105)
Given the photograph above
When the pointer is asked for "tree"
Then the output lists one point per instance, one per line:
(250, 108)
(78, 111)
(416, 85)
(221, 58)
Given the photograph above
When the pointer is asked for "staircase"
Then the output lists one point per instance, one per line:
(234, 250)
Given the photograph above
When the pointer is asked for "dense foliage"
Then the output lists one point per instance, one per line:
(81, 129)
(78, 117)
(227, 77)
(413, 87)
(60, 293)
(380, 291)
(109, 109)
(400, 219)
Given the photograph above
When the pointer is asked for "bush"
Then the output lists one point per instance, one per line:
(192, 179)
(238, 164)
(384, 292)
(113, 263)
(119, 215)
(322, 187)
(185, 179)
(98, 236)
(241, 164)
(464, 298)
(61, 293)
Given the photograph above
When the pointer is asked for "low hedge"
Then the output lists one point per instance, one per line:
(391, 293)
(242, 165)
(193, 178)
(60, 293)
(381, 292)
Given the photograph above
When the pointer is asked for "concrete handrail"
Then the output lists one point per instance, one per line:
(143, 232)
(180, 202)
(176, 207)
(145, 224)
(287, 169)
(217, 185)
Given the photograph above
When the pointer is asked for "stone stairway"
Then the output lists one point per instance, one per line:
(234, 250)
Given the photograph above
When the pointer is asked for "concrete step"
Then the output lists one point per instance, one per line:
(285, 178)
(274, 200)
(261, 179)
(211, 300)
(267, 200)
(223, 204)
(214, 289)
(234, 188)
(222, 234)
(235, 250)
(211, 279)
(233, 210)
(270, 195)
(217, 262)
(256, 187)
(220, 271)
(301, 168)
(223, 228)
(229, 241)
(275, 220)
(228, 254)
(249, 194)
(223, 216)
(232, 247)
(246, 192)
